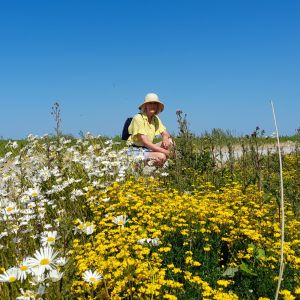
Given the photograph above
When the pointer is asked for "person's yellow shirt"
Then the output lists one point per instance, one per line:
(140, 125)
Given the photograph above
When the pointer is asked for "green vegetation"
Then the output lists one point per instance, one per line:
(79, 219)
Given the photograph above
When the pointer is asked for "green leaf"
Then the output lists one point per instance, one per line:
(245, 268)
(251, 246)
(260, 253)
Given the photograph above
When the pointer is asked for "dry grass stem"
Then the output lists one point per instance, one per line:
(281, 208)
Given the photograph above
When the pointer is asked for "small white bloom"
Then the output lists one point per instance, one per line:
(106, 199)
(155, 242)
(33, 192)
(25, 199)
(148, 170)
(10, 275)
(120, 220)
(151, 242)
(48, 238)
(26, 295)
(141, 241)
(31, 205)
(23, 269)
(37, 277)
(47, 226)
(10, 209)
(3, 233)
(15, 145)
(91, 277)
(61, 261)
(88, 229)
(55, 276)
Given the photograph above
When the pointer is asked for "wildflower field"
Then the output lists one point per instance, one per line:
(79, 219)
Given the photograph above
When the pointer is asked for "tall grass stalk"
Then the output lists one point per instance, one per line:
(281, 207)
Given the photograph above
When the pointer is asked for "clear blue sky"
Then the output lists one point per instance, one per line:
(221, 62)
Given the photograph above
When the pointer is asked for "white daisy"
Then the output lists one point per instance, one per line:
(27, 295)
(10, 275)
(37, 278)
(150, 242)
(88, 229)
(47, 226)
(31, 205)
(120, 220)
(44, 259)
(23, 269)
(141, 241)
(33, 192)
(48, 238)
(3, 233)
(10, 208)
(25, 199)
(91, 277)
(61, 261)
(55, 276)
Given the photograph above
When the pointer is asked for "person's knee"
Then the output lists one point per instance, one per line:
(162, 157)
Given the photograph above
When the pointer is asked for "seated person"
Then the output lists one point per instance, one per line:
(145, 126)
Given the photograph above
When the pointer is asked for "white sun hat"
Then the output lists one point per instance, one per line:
(152, 97)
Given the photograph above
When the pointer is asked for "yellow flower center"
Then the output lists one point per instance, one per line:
(9, 209)
(34, 194)
(44, 261)
(12, 278)
(23, 268)
(93, 279)
(50, 239)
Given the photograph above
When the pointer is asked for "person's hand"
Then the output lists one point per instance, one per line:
(165, 143)
(167, 152)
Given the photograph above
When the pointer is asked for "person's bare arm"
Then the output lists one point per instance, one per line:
(165, 140)
(155, 148)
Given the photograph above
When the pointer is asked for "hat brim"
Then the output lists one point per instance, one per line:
(161, 106)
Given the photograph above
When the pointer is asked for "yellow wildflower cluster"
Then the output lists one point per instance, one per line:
(155, 243)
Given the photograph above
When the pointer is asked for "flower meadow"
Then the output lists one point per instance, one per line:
(80, 219)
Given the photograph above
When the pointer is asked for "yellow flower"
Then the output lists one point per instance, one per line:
(206, 248)
(287, 295)
(224, 283)
(170, 297)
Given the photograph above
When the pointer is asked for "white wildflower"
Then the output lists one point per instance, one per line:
(23, 269)
(44, 259)
(148, 241)
(106, 199)
(91, 276)
(27, 295)
(55, 276)
(10, 275)
(120, 220)
(61, 261)
(49, 238)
